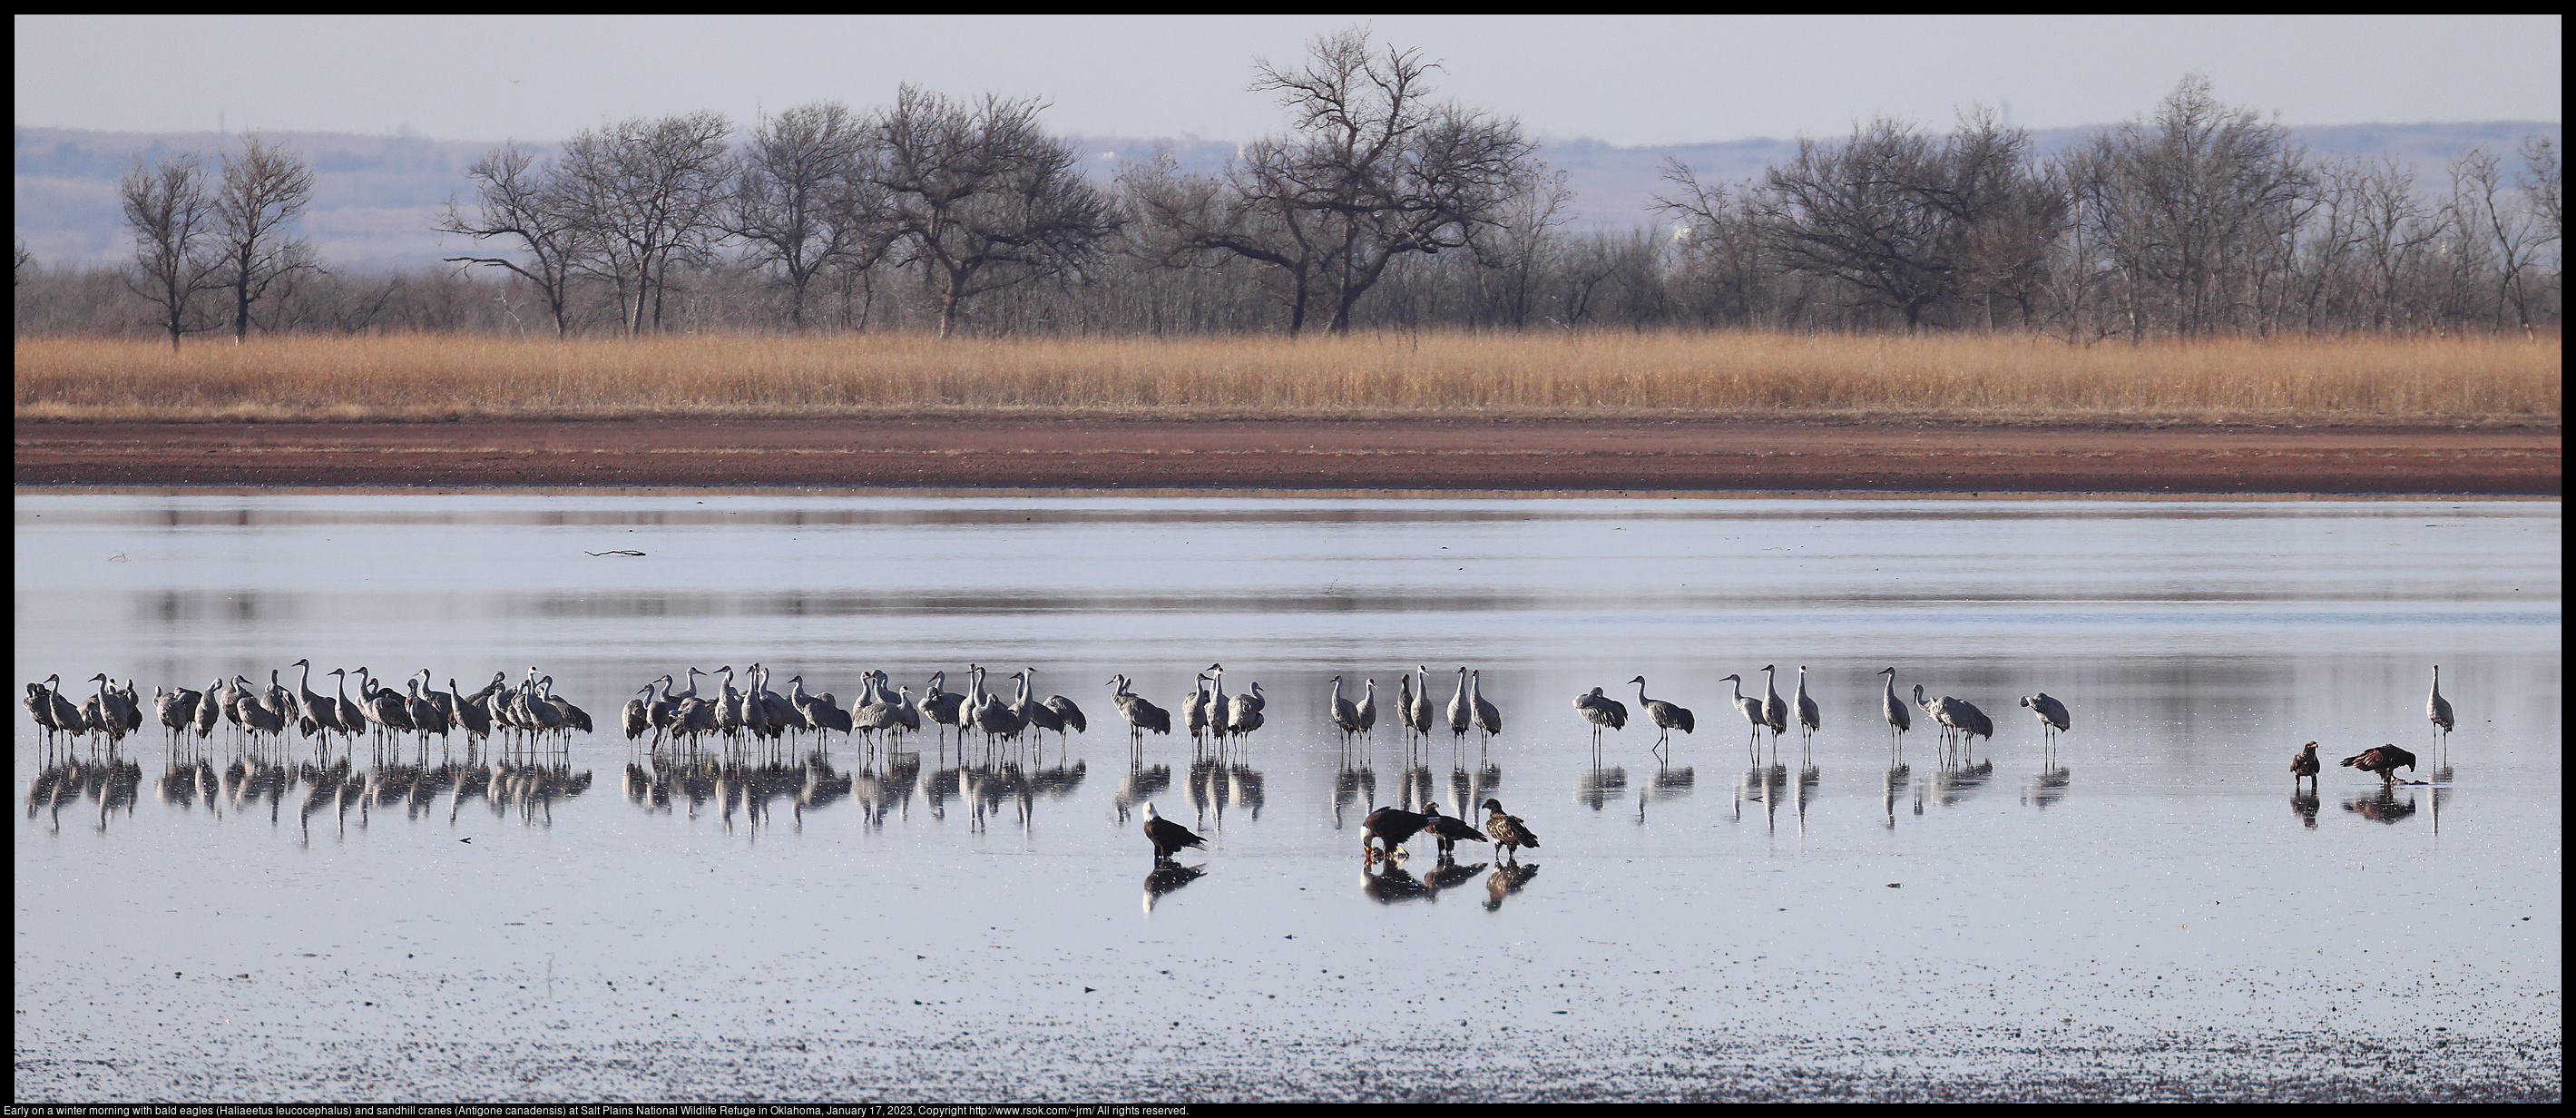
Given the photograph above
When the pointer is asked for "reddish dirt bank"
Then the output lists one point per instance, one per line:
(1540, 455)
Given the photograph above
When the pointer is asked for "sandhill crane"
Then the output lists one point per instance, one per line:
(1667, 717)
(252, 716)
(210, 708)
(996, 718)
(2051, 713)
(1247, 713)
(1489, 718)
(1069, 714)
(1507, 831)
(1893, 709)
(1346, 714)
(425, 717)
(1972, 721)
(1142, 715)
(1194, 710)
(1029, 710)
(1050, 714)
(638, 715)
(2304, 766)
(1749, 707)
(1603, 712)
(822, 713)
(177, 708)
(777, 714)
(2384, 760)
(2438, 709)
(319, 709)
(1775, 713)
(1460, 713)
(60, 715)
(351, 719)
(280, 701)
(1810, 719)
(941, 705)
(117, 714)
(1220, 710)
(475, 718)
(574, 717)
(1404, 704)
(1366, 709)
(1419, 716)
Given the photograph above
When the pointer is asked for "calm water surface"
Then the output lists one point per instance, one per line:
(1695, 920)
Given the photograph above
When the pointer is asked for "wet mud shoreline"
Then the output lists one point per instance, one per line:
(1644, 456)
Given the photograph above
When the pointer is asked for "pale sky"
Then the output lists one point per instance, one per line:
(1627, 80)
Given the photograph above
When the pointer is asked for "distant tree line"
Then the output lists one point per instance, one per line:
(1378, 207)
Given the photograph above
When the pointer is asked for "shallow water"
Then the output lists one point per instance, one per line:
(2151, 914)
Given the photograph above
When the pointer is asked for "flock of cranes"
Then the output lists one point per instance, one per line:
(530, 709)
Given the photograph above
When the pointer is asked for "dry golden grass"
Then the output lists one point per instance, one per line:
(1978, 378)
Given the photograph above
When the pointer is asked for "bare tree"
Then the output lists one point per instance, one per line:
(519, 200)
(1907, 223)
(646, 195)
(2186, 204)
(1720, 238)
(263, 193)
(1370, 170)
(804, 199)
(982, 198)
(175, 257)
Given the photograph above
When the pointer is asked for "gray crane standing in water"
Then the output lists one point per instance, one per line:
(1142, 716)
(1775, 713)
(1667, 717)
(1489, 718)
(1419, 716)
(1346, 714)
(1810, 719)
(1460, 713)
(1750, 708)
(1894, 710)
(2051, 713)
(2439, 710)
(1603, 712)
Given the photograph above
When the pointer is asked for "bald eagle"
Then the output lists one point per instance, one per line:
(1168, 837)
(1507, 831)
(1390, 827)
(1449, 829)
(2383, 759)
(2304, 764)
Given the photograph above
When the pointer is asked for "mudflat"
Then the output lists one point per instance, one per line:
(1463, 455)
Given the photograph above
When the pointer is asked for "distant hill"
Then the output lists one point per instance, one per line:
(375, 197)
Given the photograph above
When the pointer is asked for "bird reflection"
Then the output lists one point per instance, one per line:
(1353, 785)
(1468, 786)
(2305, 805)
(1764, 784)
(1950, 786)
(1506, 880)
(2046, 788)
(1668, 783)
(2383, 807)
(1890, 782)
(1804, 791)
(1142, 782)
(1166, 877)
(1387, 883)
(1599, 785)
(1448, 873)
